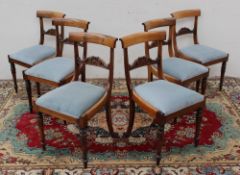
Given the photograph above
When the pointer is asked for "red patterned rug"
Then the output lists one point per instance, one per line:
(218, 152)
(177, 135)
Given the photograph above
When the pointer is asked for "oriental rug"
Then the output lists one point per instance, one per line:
(218, 152)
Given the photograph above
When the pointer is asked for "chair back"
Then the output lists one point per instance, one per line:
(45, 14)
(159, 23)
(97, 39)
(60, 25)
(179, 15)
(142, 38)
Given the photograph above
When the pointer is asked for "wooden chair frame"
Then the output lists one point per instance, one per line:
(59, 24)
(152, 70)
(194, 13)
(159, 118)
(41, 14)
(82, 121)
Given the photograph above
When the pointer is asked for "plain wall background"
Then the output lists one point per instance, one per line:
(219, 25)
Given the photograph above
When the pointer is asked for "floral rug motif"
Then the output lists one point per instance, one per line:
(218, 151)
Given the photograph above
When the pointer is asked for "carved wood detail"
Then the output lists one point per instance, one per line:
(155, 44)
(51, 32)
(142, 61)
(96, 61)
(184, 31)
(67, 41)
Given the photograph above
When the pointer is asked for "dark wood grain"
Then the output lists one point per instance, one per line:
(194, 14)
(158, 116)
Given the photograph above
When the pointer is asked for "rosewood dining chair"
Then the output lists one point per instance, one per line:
(59, 70)
(197, 52)
(77, 102)
(32, 55)
(175, 69)
(162, 100)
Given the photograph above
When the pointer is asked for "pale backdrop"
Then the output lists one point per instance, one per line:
(219, 25)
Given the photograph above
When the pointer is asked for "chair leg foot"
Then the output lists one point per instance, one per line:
(84, 147)
(29, 94)
(223, 70)
(175, 121)
(204, 85)
(131, 119)
(109, 120)
(38, 89)
(198, 126)
(83, 76)
(14, 76)
(150, 76)
(85, 164)
(41, 127)
(160, 141)
(198, 85)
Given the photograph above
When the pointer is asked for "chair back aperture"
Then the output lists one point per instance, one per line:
(142, 38)
(159, 23)
(45, 14)
(60, 25)
(194, 13)
(98, 39)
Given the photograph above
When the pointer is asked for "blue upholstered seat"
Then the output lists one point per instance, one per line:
(33, 54)
(55, 69)
(72, 99)
(181, 69)
(168, 97)
(203, 54)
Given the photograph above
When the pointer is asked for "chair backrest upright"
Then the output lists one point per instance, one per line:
(178, 15)
(98, 39)
(142, 38)
(60, 25)
(159, 23)
(45, 14)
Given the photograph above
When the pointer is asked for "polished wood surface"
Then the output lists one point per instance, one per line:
(71, 22)
(160, 22)
(152, 70)
(195, 14)
(186, 13)
(103, 102)
(41, 14)
(158, 117)
(49, 14)
(60, 24)
(93, 38)
(141, 37)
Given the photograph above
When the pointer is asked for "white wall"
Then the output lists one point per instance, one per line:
(219, 24)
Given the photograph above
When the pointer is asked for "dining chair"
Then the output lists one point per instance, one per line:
(198, 53)
(59, 70)
(175, 69)
(32, 55)
(77, 102)
(162, 100)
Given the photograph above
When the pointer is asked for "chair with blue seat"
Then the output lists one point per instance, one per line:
(77, 102)
(59, 70)
(161, 99)
(198, 53)
(175, 69)
(33, 55)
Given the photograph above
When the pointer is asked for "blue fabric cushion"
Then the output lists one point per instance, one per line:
(181, 69)
(55, 69)
(168, 97)
(203, 54)
(72, 99)
(33, 54)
